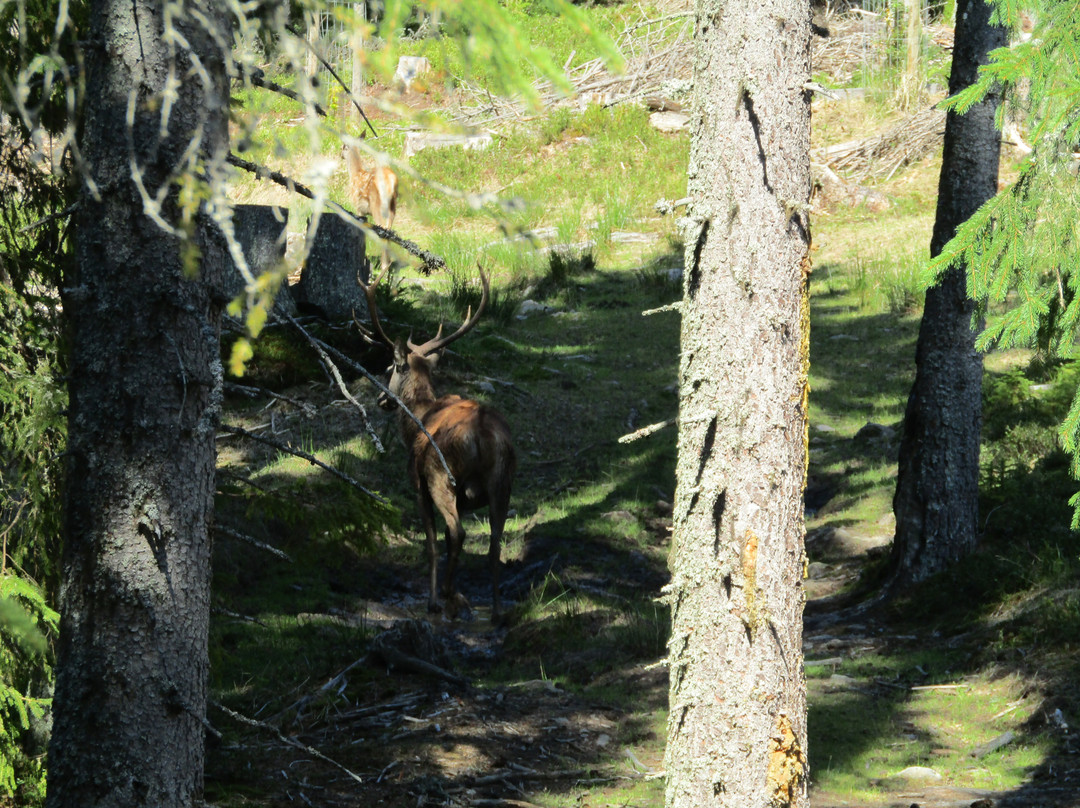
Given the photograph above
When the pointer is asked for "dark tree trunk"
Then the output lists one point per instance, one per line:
(145, 392)
(737, 702)
(937, 488)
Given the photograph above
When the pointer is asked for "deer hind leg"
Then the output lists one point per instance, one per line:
(427, 517)
(445, 499)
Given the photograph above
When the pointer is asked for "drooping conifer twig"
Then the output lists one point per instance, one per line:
(254, 392)
(333, 73)
(258, 78)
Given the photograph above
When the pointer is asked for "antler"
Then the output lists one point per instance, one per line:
(438, 342)
(373, 311)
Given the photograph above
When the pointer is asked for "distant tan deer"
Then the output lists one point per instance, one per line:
(473, 437)
(373, 191)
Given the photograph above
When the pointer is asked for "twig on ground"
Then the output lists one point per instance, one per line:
(398, 659)
(522, 773)
(254, 392)
(237, 616)
(251, 722)
(332, 683)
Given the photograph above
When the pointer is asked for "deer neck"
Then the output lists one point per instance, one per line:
(418, 394)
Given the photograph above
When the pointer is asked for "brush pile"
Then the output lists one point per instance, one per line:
(658, 66)
(880, 156)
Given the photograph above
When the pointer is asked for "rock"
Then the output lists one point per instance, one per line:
(530, 307)
(409, 68)
(669, 121)
(875, 432)
(416, 142)
(836, 543)
(917, 775)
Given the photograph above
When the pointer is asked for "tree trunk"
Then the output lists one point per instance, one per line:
(737, 720)
(937, 488)
(145, 391)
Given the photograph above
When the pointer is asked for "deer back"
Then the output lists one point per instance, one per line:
(475, 440)
(372, 191)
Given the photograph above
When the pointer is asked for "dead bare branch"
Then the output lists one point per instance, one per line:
(332, 368)
(235, 430)
(236, 534)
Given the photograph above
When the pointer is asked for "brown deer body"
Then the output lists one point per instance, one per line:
(473, 438)
(372, 191)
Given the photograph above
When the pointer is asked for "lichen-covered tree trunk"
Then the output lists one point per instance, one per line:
(937, 489)
(145, 389)
(737, 720)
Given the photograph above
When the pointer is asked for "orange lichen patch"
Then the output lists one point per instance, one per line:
(787, 764)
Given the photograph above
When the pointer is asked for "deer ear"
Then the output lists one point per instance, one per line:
(432, 359)
(401, 354)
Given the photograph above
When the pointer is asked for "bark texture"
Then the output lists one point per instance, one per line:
(937, 490)
(737, 720)
(145, 392)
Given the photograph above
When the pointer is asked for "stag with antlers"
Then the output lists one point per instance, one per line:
(473, 439)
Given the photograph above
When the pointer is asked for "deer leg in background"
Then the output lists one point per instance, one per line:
(497, 518)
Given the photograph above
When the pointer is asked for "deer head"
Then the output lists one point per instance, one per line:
(410, 373)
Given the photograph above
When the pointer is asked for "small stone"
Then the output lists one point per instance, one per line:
(669, 121)
(918, 774)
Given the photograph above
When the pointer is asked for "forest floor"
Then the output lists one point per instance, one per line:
(363, 698)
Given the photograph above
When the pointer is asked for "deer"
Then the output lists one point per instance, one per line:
(474, 440)
(373, 192)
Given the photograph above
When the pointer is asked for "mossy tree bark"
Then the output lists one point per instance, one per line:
(937, 490)
(737, 721)
(145, 389)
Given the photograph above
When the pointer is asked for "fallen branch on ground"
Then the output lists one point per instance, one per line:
(251, 722)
